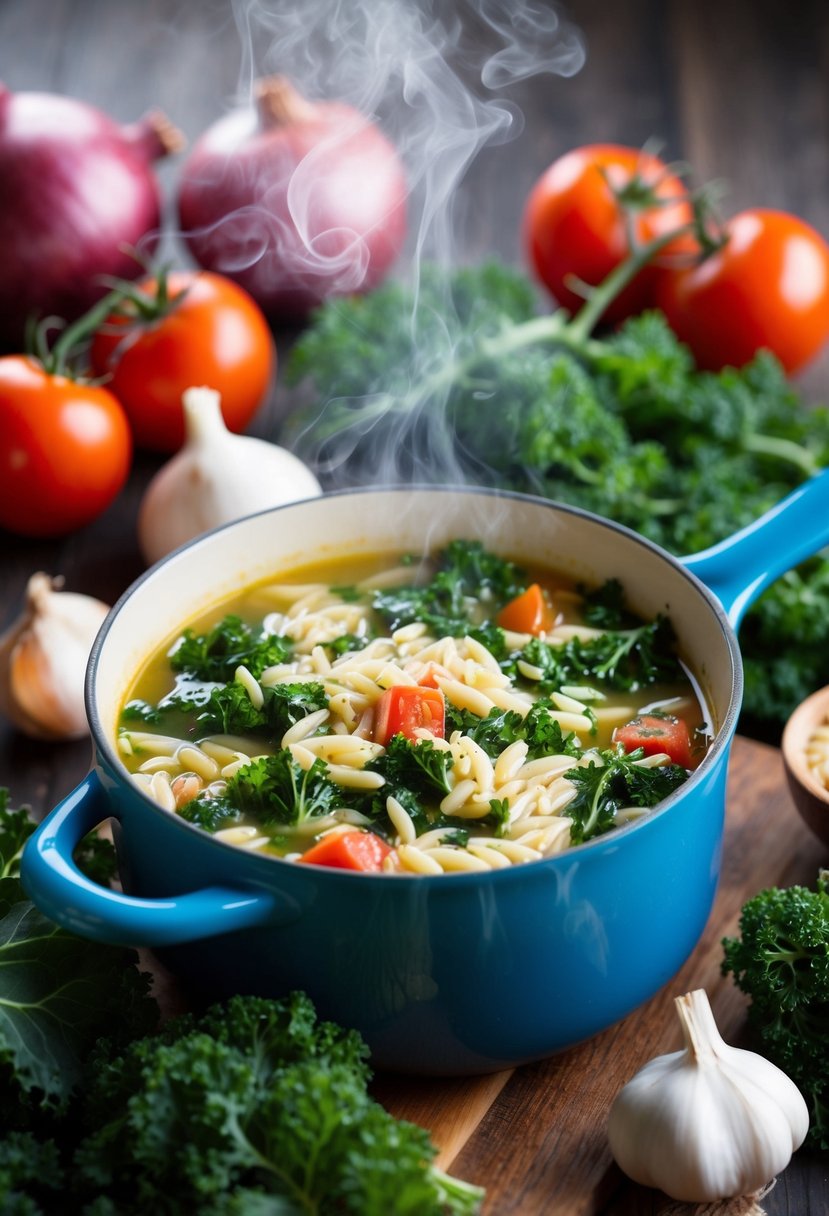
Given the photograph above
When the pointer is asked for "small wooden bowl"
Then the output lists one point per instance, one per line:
(810, 796)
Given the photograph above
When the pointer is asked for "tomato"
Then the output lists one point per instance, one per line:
(431, 673)
(355, 850)
(574, 227)
(768, 286)
(213, 335)
(65, 449)
(656, 733)
(407, 708)
(529, 612)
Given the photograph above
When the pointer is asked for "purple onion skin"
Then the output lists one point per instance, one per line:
(75, 190)
(295, 211)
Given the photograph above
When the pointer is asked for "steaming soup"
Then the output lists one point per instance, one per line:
(415, 716)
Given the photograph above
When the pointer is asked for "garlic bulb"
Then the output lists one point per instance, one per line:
(214, 478)
(707, 1123)
(43, 658)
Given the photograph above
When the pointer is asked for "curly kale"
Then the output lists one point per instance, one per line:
(628, 659)
(781, 961)
(612, 782)
(231, 642)
(255, 1106)
(461, 379)
(273, 790)
(466, 576)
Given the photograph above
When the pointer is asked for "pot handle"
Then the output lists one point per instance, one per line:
(741, 567)
(64, 894)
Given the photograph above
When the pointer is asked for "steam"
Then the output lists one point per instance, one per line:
(418, 72)
(418, 69)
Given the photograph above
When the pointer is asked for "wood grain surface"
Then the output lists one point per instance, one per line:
(735, 87)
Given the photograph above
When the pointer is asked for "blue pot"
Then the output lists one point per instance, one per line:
(460, 973)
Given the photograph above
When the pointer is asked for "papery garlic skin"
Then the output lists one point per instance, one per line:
(710, 1122)
(215, 478)
(43, 659)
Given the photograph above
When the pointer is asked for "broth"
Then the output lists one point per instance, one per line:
(416, 716)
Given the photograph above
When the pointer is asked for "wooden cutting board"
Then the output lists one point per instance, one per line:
(535, 1136)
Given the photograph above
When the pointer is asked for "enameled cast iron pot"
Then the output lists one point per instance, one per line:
(458, 973)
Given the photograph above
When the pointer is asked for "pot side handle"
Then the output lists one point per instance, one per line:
(741, 567)
(62, 892)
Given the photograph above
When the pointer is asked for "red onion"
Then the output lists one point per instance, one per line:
(77, 191)
(296, 201)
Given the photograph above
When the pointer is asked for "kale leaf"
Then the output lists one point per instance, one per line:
(417, 765)
(229, 709)
(216, 654)
(277, 790)
(253, 1107)
(538, 728)
(467, 576)
(59, 992)
(629, 659)
(606, 786)
(781, 961)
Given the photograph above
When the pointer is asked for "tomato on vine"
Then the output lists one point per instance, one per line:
(177, 331)
(765, 284)
(589, 209)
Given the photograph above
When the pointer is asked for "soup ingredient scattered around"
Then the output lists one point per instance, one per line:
(215, 478)
(397, 710)
(251, 1105)
(65, 448)
(624, 425)
(296, 200)
(176, 330)
(710, 1122)
(43, 658)
(587, 210)
(766, 286)
(781, 961)
(54, 154)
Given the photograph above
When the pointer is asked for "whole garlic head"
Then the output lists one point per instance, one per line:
(710, 1122)
(43, 658)
(215, 478)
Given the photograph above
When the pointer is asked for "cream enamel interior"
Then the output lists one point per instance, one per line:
(276, 542)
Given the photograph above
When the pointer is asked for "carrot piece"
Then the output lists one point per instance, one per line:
(529, 612)
(348, 851)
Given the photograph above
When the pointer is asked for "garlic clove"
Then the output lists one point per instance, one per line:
(215, 478)
(710, 1122)
(43, 659)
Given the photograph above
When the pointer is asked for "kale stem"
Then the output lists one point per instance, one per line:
(583, 323)
(783, 449)
(595, 805)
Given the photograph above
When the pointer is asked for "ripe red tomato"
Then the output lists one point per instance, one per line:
(65, 449)
(404, 709)
(213, 334)
(768, 286)
(574, 226)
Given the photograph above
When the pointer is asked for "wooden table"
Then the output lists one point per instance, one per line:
(737, 89)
